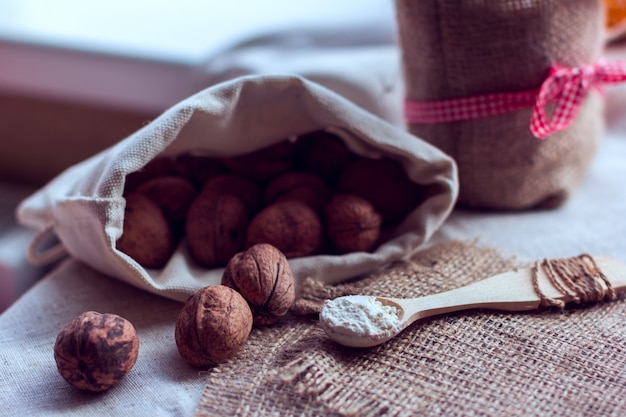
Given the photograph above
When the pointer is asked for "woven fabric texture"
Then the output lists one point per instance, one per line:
(454, 49)
(548, 362)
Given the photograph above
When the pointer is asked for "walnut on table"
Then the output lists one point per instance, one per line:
(95, 351)
(213, 325)
(263, 276)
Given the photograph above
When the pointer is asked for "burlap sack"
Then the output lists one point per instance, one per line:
(547, 362)
(463, 48)
(84, 205)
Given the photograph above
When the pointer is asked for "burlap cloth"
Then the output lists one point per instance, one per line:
(475, 363)
(464, 48)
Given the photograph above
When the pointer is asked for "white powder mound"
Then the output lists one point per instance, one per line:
(360, 315)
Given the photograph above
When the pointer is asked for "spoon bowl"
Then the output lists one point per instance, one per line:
(374, 319)
(350, 340)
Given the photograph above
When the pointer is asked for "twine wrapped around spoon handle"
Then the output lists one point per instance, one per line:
(578, 278)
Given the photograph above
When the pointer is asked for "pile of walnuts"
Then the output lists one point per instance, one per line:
(95, 351)
(306, 196)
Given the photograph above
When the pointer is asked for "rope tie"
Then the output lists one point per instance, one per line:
(563, 91)
(578, 278)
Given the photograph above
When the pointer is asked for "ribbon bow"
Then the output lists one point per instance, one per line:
(565, 89)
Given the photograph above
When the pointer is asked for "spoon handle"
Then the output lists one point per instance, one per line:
(509, 291)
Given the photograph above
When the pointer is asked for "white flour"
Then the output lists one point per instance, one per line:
(359, 315)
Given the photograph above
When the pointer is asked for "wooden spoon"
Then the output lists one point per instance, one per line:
(510, 291)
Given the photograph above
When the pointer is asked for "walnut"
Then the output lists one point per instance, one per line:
(157, 167)
(198, 169)
(172, 194)
(146, 236)
(212, 326)
(352, 224)
(246, 190)
(216, 228)
(263, 276)
(95, 351)
(323, 154)
(384, 183)
(291, 226)
(298, 185)
(263, 164)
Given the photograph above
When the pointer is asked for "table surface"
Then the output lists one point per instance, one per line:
(592, 221)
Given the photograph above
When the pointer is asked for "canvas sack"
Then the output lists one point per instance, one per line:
(84, 206)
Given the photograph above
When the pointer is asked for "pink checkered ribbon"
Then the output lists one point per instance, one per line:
(565, 88)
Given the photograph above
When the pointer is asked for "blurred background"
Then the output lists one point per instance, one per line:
(77, 76)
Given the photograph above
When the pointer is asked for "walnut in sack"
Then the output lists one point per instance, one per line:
(198, 169)
(298, 185)
(352, 224)
(291, 226)
(384, 183)
(323, 154)
(263, 276)
(146, 236)
(246, 190)
(95, 351)
(264, 164)
(212, 326)
(172, 194)
(216, 228)
(157, 167)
